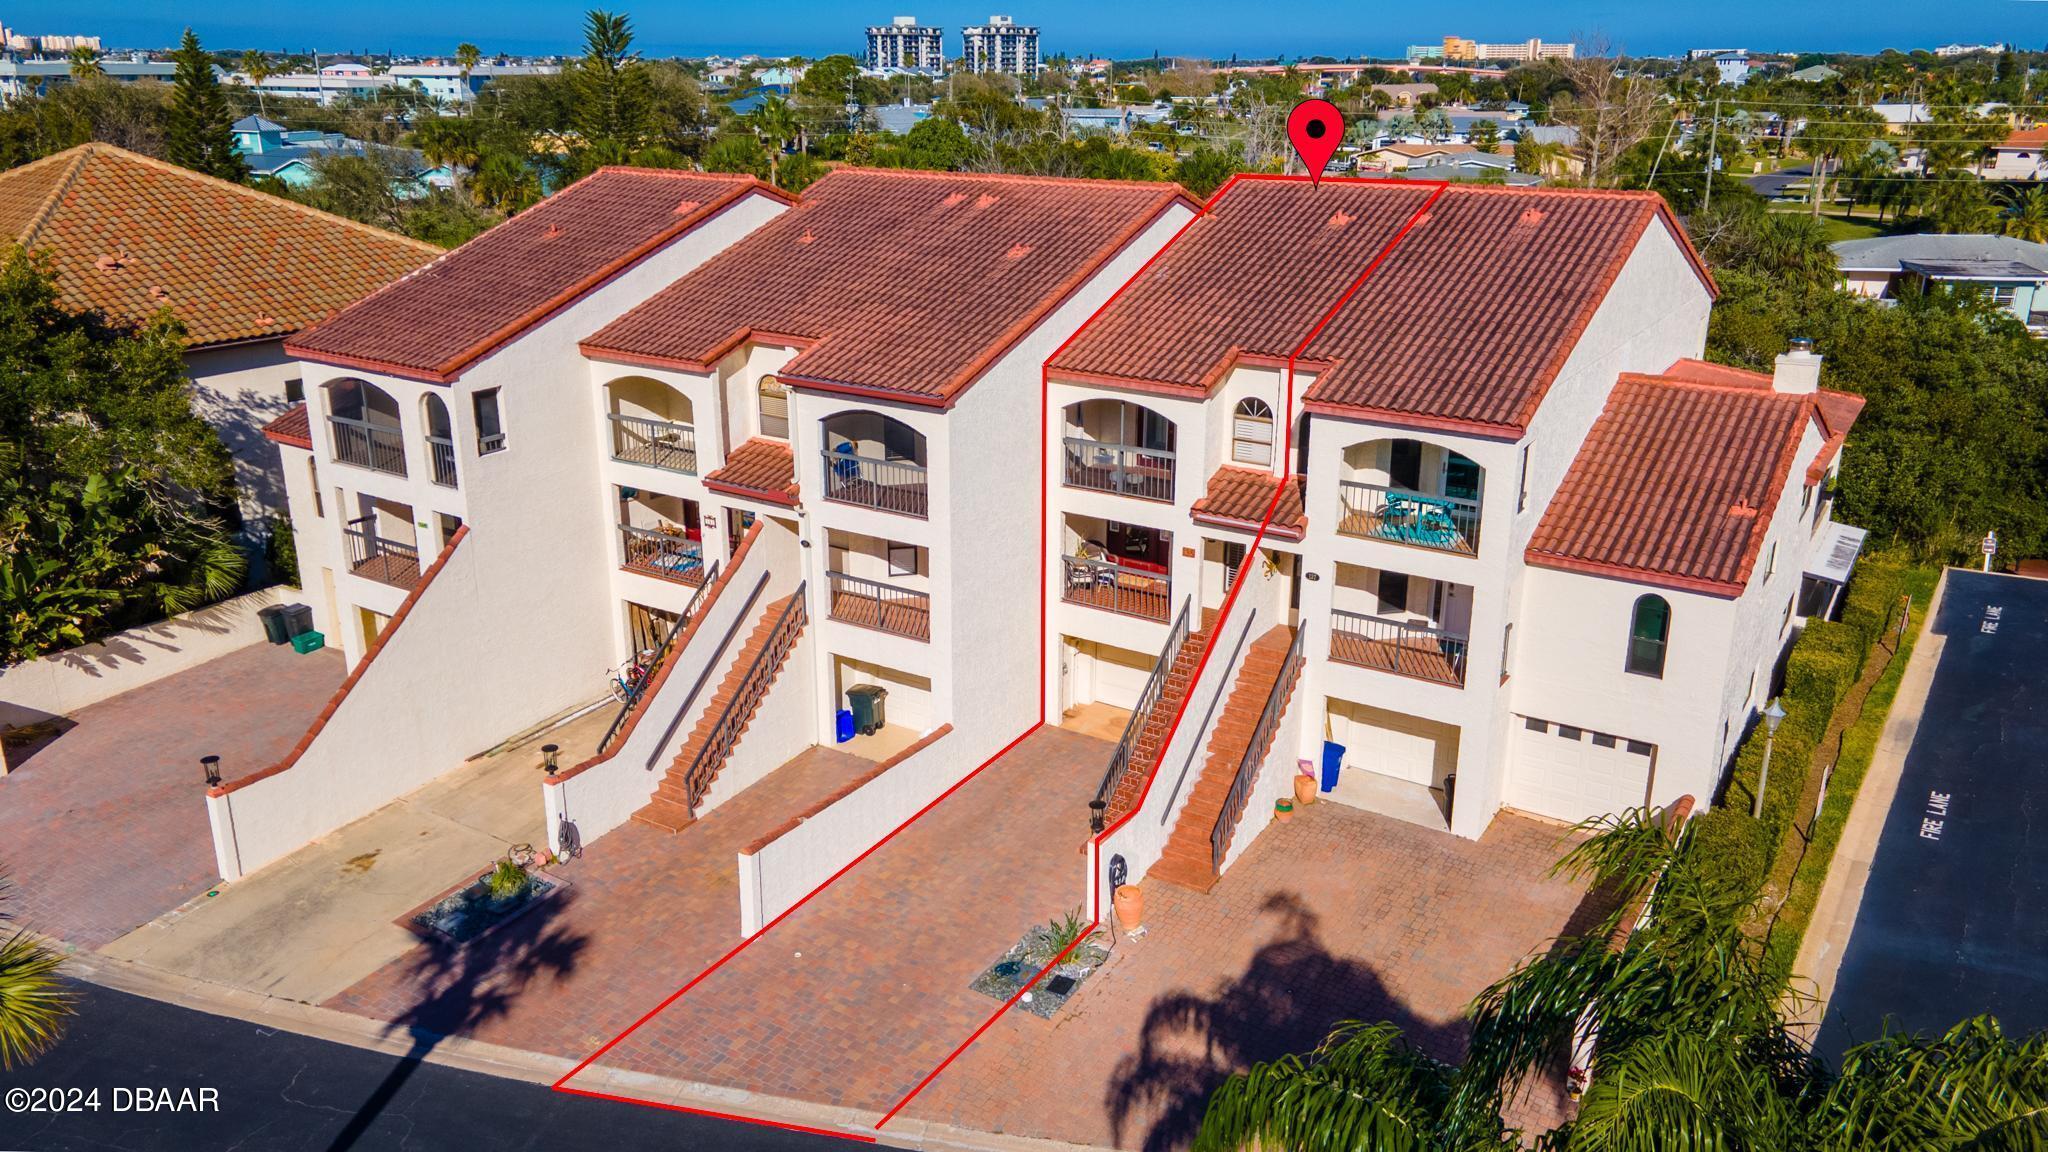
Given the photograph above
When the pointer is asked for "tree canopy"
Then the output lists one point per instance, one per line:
(197, 134)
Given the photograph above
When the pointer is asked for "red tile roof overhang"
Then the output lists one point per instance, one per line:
(293, 426)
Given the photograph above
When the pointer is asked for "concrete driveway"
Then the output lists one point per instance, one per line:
(105, 828)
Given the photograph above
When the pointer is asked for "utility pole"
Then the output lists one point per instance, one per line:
(1713, 138)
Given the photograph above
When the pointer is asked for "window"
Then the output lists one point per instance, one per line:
(774, 408)
(313, 482)
(1648, 632)
(294, 390)
(1805, 498)
(1568, 732)
(1507, 648)
(1535, 725)
(1749, 693)
(1787, 623)
(1393, 591)
(1638, 748)
(1771, 564)
(1602, 740)
(902, 559)
(1522, 499)
(1251, 433)
(490, 425)
(2002, 295)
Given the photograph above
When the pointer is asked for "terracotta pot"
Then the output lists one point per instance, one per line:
(1304, 790)
(1130, 906)
(1283, 810)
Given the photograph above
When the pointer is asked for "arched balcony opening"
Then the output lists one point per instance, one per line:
(874, 461)
(1117, 446)
(651, 424)
(1411, 492)
(364, 423)
(440, 438)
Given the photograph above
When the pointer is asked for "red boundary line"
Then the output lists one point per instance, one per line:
(1230, 600)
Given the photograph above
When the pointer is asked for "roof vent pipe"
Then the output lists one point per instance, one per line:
(1798, 370)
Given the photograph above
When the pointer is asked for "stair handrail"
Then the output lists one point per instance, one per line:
(1216, 699)
(724, 730)
(640, 691)
(1254, 754)
(1155, 687)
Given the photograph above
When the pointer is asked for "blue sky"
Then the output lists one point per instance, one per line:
(1197, 27)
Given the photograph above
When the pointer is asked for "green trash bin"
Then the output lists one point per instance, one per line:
(274, 629)
(866, 702)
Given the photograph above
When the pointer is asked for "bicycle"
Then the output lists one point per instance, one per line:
(627, 680)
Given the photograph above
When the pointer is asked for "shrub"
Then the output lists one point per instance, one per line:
(1791, 756)
(1733, 845)
(506, 881)
(1824, 665)
(281, 551)
(1872, 594)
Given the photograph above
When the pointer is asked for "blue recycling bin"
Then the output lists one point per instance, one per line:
(1333, 761)
(843, 725)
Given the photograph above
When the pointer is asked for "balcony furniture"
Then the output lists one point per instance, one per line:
(897, 486)
(1133, 589)
(668, 553)
(662, 444)
(1375, 511)
(1145, 473)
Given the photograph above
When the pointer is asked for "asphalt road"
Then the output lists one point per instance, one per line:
(1771, 185)
(1954, 920)
(280, 1091)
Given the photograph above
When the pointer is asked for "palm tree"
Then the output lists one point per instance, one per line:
(85, 63)
(467, 57)
(1537, 157)
(33, 1002)
(256, 66)
(2027, 218)
(776, 124)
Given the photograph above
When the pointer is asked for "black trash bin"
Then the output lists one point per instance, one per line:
(869, 711)
(298, 620)
(274, 628)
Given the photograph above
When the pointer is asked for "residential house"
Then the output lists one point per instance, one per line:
(271, 149)
(1400, 157)
(2023, 155)
(1406, 95)
(240, 269)
(2011, 271)
(1474, 166)
(451, 84)
(1814, 74)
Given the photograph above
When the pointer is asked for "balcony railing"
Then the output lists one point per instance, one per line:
(890, 485)
(375, 557)
(1398, 646)
(367, 445)
(656, 443)
(1146, 473)
(441, 450)
(662, 555)
(1118, 587)
(873, 604)
(1445, 523)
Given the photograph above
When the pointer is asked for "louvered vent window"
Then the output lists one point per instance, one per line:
(1251, 434)
(774, 408)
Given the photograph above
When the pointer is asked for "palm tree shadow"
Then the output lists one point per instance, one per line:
(1287, 999)
(461, 987)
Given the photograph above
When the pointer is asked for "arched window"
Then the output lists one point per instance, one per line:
(1649, 633)
(774, 408)
(1251, 433)
(440, 439)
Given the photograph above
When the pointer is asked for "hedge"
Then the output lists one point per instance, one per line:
(1872, 594)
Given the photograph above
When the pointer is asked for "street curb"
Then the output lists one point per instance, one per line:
(497, 1060)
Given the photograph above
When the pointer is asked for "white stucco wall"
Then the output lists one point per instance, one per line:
(238, 388)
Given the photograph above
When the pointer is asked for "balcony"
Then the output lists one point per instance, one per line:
(886, 485)
(1379, 512)
(1398, 646)
(366, 445)
(664, 555)
(380, 558)
(661, 444)
(1144, 473)
(441, 450)
(1127, 587)
(884, 607)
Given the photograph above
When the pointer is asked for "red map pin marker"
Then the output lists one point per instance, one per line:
(1315, 128)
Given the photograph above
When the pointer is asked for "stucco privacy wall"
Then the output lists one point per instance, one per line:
(405, 717)
(63, 682)
(238, 388)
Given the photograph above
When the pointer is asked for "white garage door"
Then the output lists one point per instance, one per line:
(1569, 773)
(909, 702)
(1108, 675)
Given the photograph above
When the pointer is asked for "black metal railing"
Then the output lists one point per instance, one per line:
(378, 558)
(663, 555)
(441, 450)
(1445, 523)
(873, 604)
(1146, 473)
(661, 444)
(1115, 587)
(1254, 755)
(1398, 646)
(654, 662)
(732, 720)
(367, 445)
(888, 485)
(1148, 700)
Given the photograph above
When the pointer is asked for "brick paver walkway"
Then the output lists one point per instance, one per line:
(645, 911)
(1340, 914)
(863, 991)
(104, 829)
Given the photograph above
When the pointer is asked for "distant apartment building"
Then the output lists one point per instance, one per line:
(1967, 49)
(1459, 48)
(38, 77)
(1001, 45)
(1732, 66)
(906, 45)
(451, 84)
(45, 45)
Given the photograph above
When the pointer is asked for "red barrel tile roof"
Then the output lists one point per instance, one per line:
(1676, 483)
(761, 468)
(905, 282)
(1239, 497)
(130, 236)
(435, 323)
(292, 427)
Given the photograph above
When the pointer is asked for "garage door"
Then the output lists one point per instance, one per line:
(1392, 744)
(909, 703)
(1108, 675)
(1569, 773)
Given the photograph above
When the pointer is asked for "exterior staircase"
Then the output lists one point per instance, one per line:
(759, 661)
(1187, 860)
(1151, 741)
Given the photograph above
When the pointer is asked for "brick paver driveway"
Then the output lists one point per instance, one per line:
(104, 829)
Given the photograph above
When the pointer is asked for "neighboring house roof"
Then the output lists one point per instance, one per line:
(292, 427)
(271, 160)
(1677, 481)
(1417, 150)
(1464, 171)
(255, 124)
(2027, 140)
(129, 236)
(1892, 253)
(435, 323)
(1813, 74)
(898, 282)
(1464, 323)
(1563, 134)
(1238, 498)
(761, 468)
(899, 119)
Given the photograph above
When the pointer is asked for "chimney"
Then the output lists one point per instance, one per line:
(1798, 371)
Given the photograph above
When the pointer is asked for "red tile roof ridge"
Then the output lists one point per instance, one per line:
(293, 426)
(1164, 186)
(76, 158)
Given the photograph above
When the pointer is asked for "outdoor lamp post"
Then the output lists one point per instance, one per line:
(1773, 716)
(549, 757)
(211, 766)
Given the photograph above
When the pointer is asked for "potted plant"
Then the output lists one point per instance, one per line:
(1283, 809)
